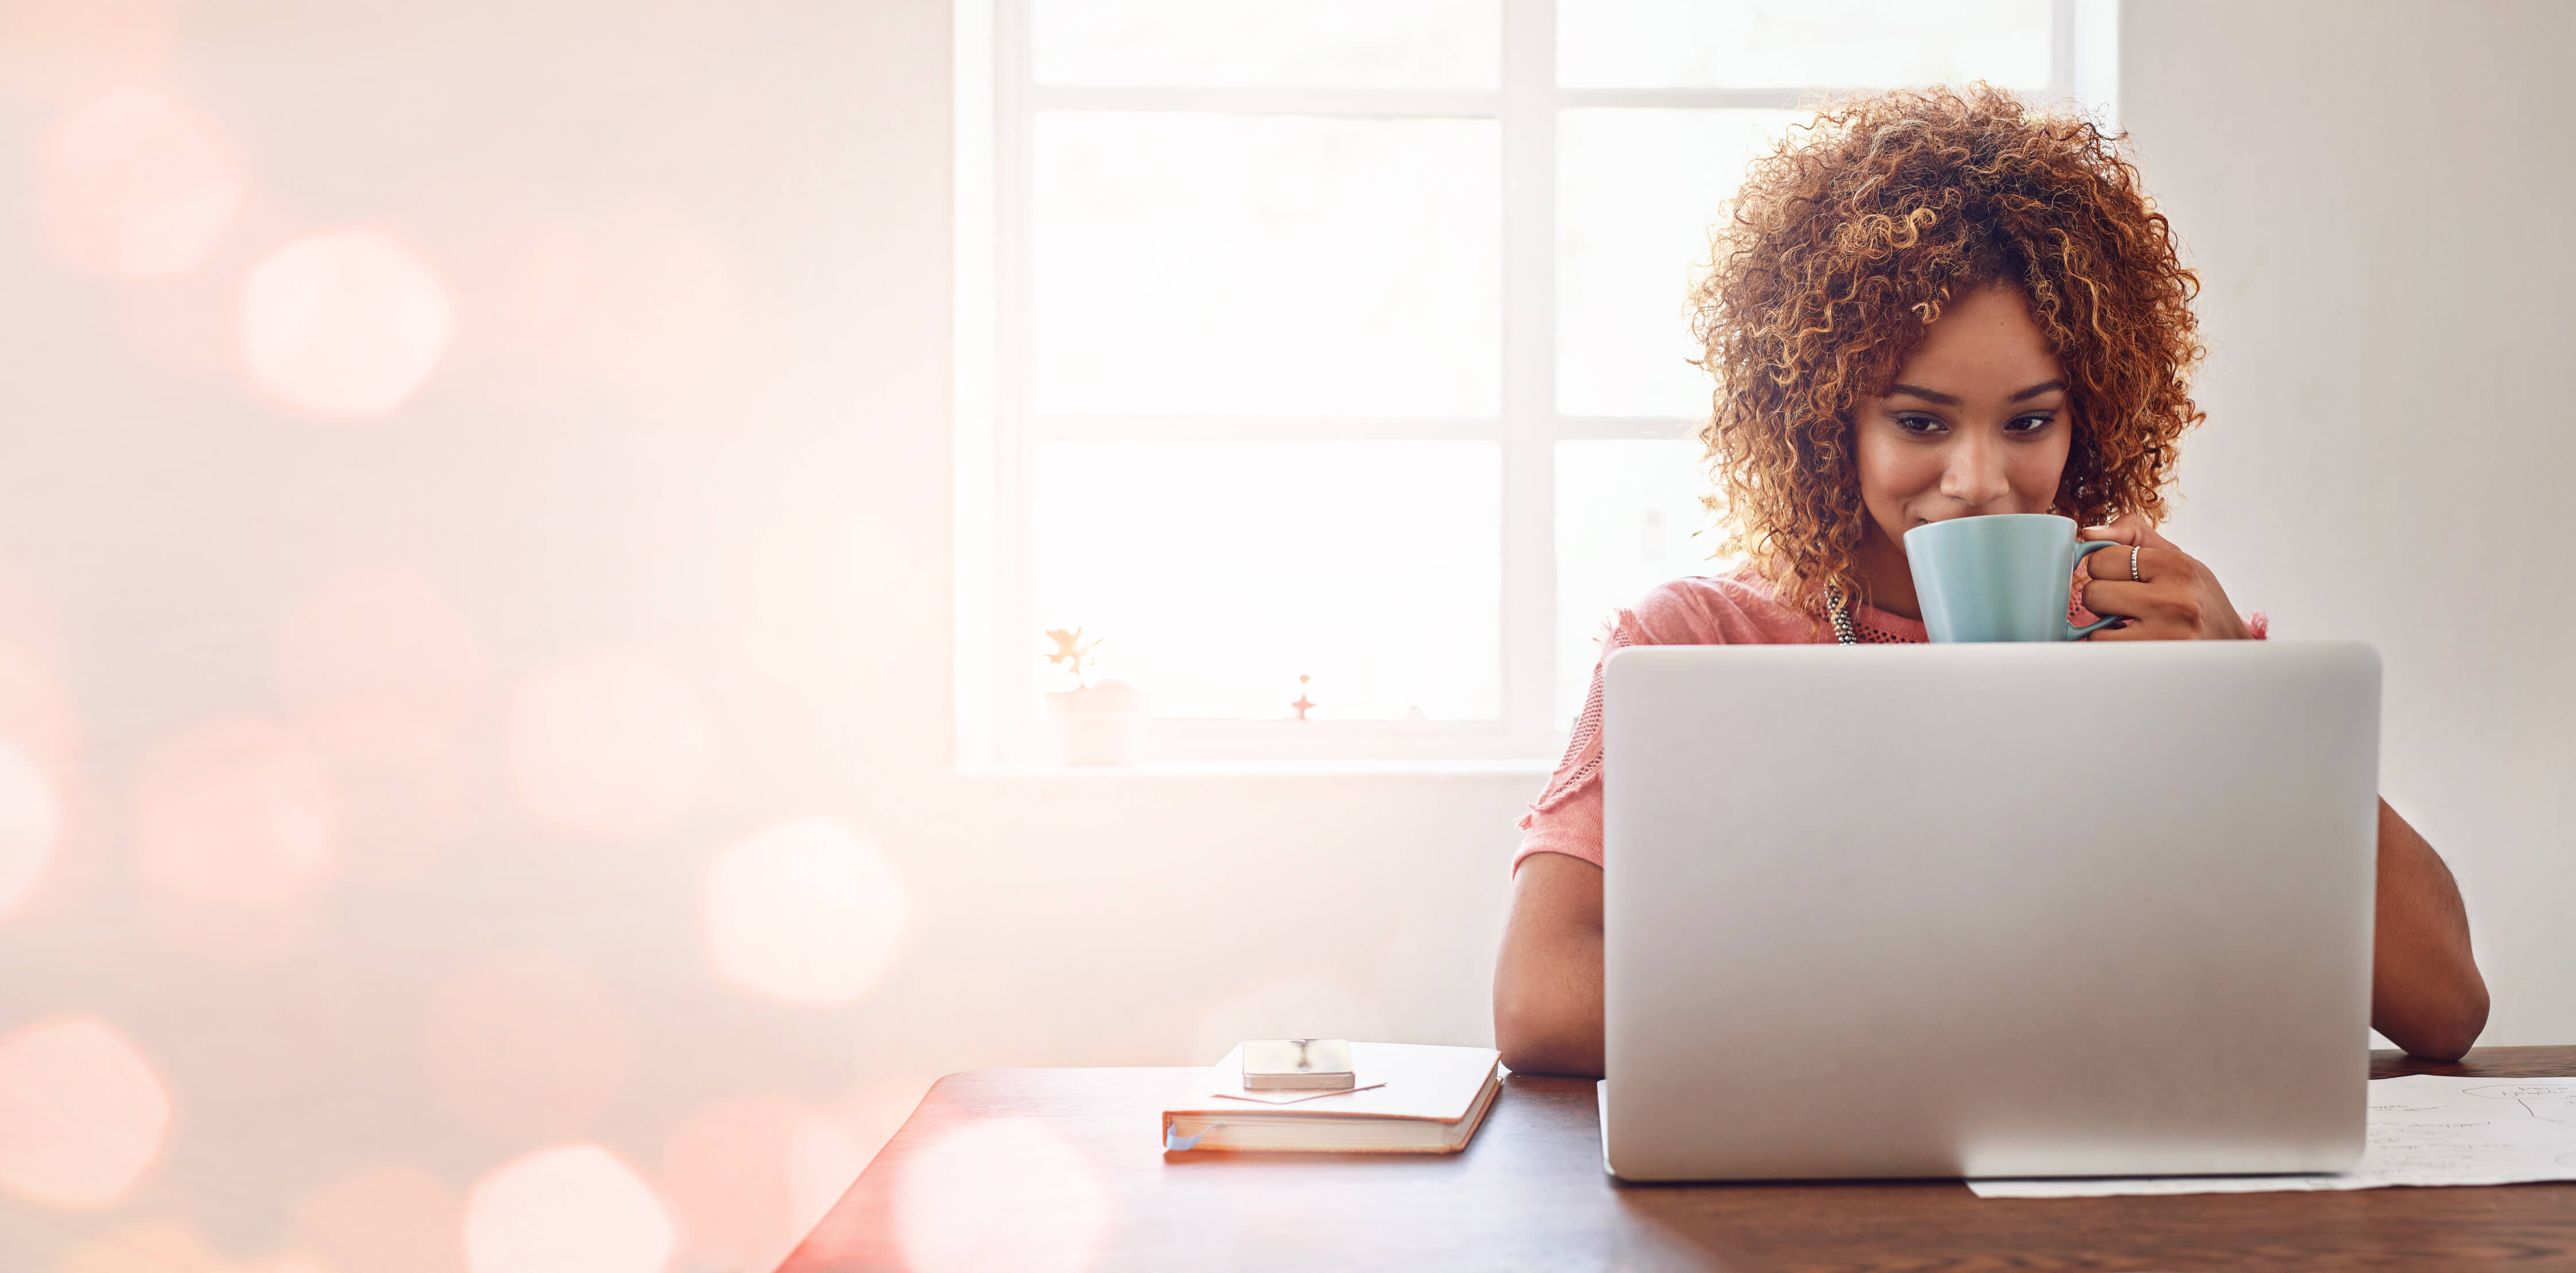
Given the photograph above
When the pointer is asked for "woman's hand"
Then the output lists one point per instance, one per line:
(2177, 598)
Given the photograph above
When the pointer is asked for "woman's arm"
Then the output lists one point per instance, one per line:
(1547, 982)
(2425, 991)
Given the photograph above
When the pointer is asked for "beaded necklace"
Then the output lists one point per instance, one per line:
(1843, 633)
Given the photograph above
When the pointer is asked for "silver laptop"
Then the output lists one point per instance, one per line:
(1988, 910)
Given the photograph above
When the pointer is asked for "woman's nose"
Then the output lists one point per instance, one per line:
(1974, 475)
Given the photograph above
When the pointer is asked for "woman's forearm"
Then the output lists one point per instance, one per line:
(2425, 991)
(1547, 979)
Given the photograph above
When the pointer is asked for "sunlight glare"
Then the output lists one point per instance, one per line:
(1373, 566)
(1002, 1195)
(345, 324)
(569, 1209)
(236, 810)
(135, 184)
(610, 743)
(808, 912)
(83, 1111)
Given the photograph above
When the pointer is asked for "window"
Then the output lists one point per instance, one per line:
(1336, 352)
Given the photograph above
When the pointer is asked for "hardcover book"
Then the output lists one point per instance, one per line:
(1406, 1098)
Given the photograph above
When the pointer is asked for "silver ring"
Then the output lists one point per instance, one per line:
(2134, 576)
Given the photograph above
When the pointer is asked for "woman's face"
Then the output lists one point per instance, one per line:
(1977, 422)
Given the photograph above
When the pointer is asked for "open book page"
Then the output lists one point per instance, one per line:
(2424, 1129)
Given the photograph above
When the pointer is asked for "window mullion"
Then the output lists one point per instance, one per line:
(1014, 172)
(2061, 48)
(1529, 367)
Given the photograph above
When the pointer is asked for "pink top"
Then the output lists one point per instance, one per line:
(1737, 609)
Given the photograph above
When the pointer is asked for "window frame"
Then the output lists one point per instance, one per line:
(999, 717)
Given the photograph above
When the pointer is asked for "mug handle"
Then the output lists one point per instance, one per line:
(2074, 633)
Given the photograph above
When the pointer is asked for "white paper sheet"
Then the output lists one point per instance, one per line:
(2424, 1129)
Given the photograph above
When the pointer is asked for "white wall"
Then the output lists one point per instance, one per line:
(2374, 197)
(695, 409)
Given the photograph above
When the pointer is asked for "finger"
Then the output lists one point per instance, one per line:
(2132, 529)
(2123, 531)
(2108, 597)
(2138, 565)
(2134, 632)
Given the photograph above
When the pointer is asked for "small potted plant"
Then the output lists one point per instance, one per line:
(1101, 724)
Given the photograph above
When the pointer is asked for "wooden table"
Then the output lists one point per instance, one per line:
(1059, 1171)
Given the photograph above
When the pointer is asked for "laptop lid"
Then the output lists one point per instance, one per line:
(1987, 910)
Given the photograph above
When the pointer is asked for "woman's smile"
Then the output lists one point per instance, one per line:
(1976, 423)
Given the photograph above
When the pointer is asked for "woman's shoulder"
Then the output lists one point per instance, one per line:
(1736, 608)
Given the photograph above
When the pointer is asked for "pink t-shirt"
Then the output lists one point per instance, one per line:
(1737, 609)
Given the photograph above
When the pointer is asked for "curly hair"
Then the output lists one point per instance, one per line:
(1844, 244)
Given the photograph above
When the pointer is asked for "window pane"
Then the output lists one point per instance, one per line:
(1628, 517)
(1263, 43)
(1637, 194)
(1217, 573)
(1273, 266)
(1801, 43)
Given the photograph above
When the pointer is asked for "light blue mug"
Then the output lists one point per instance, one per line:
(1999, 578)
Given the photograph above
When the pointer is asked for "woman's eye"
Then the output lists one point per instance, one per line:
(1920, 423)
(2030, 423)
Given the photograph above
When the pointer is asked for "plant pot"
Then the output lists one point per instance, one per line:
(1101, 725)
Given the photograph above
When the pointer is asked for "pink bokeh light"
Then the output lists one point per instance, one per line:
(237, 810)
(389, 1218)
(345, 324)
(570, 1209)
(62, 49)
(383, 674)
(384, 634)
(153, 1246)
(136, 184)
(640, 297)
(807, 912)
(35, 709)
(1002, 1195)
(192, 321)
(750, 1178)
(169, 1246)
(83, 1115)
(31, 824)
(525, 1046)
(610, 743)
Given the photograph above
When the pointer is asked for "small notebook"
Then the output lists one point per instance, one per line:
(1411, 1098)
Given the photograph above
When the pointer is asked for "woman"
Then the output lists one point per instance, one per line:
(1931, 305)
